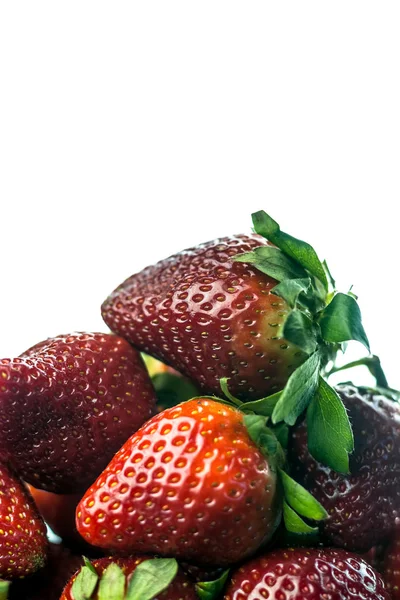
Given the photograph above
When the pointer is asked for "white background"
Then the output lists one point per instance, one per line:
(130, 130)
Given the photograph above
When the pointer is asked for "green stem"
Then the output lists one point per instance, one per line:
(372, 363)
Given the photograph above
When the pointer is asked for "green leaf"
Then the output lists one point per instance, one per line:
(255, 425)
(263, 406)
(294, 523)
(341, 321)
(300, 499)
(298, 391)
(299, 251)
(290, 289)
(372, 363)
(211, 590)
(223, 382)
(281, 430)
(85, 583)
(330, 437)
(4, 585)
(272, 262)
(299, 330)
(151, 577)
(112, 583)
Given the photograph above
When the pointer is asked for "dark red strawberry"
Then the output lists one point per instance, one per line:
(23, 541)
(391, 567)
(362, 506)
(48, 582)
(68, 404)
(209, 317)
(306, 574)
(189, 484)
(180, 588)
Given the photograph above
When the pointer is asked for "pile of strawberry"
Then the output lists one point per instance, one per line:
(198, 450)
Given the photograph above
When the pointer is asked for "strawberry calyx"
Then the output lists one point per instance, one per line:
(320, 320)
(4, 585)
(271, 439)
(150, 578)
(210, 590)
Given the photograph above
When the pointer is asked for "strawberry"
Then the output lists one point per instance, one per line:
(391, 567)
(189, 484)
(68, 404)
(23, 542)
(209, 317)
(306, 574)
(364, 504)
(48, 582)
(117, 574)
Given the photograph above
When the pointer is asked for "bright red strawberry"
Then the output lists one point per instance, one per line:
(48, 582)
(180, 588)
(23, 541)
(189, 484)
(362, 506)
(209, 317)
(306, 574)
(68, 404)
(391, 567)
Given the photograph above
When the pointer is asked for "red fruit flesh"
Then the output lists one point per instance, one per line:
(208, 317)
(181, 587)
(189, 484)
(362, 506)
(306, 574)
(23, 541)
(391, 567)
(68, 404)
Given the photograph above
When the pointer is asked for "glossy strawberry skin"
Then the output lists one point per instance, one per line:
(23, 541)
(306, 574)
(49, 582)
(189, 484)
(181, 587)
(208, 317)
(391, 567)
(68, 404)
(362, 506)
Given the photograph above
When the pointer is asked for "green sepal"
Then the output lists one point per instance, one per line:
(211, 590)
(298, 391)
(294, 523)
(340, 321)
(172, 389)
(151, 577)
(272, 262)
(255, 425)
(4, 586)
(330, 436)
(290, 289)
(281, 430)
(85, 582)
(299, 251)
(112, 583)
(263, 406)
(300, 499)
(265, 439)
(223, 382)
(299, 330)
(372, 363)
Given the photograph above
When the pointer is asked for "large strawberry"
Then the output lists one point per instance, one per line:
(138, 577)
(363, 505)
(68, 404)
(306, 574)
(217, 311)
(189, 484)
(23, 542)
